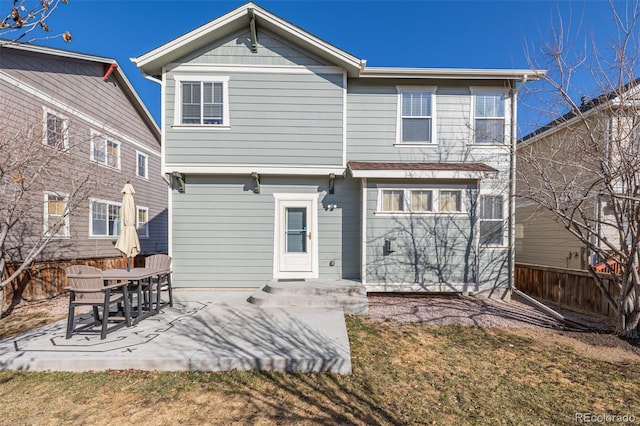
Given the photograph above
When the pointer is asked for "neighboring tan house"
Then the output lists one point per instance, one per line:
(291, 159)
(576, 155)
(81, 111)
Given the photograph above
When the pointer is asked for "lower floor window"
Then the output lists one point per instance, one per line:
(56, 216)
(105, 219)
(491, 220)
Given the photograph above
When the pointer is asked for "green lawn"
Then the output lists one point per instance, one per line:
(413, 374)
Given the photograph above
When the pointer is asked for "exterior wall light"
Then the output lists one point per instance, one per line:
(179, 177)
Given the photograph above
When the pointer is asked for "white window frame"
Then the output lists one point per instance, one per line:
(408, 89)
(505, 108)
(95, 136)
(144, 234)
(66, 228)
(177, 114)
(482, 219)
(146, 165)
(108, 203)
(407, 193)
(45, 128)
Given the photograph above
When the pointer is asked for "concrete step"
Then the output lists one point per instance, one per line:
(350, 296)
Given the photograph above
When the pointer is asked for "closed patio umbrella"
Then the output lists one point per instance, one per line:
(128, 242)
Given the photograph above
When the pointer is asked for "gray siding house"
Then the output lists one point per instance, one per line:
(89, 125)
(291, 159)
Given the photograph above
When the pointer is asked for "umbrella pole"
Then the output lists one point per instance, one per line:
(128, 264)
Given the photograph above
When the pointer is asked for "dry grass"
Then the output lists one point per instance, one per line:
(402, 374)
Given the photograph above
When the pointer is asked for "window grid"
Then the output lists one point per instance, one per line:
(142, 221)
(406, 200)
(106, 152)
(142, 162)
(56, 131)
(202, 102)
(489, 118)
(491, 220)
(450, 201)
(55, 213)
(416, 116)
(105, 219)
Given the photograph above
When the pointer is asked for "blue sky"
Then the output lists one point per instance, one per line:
(418, 33)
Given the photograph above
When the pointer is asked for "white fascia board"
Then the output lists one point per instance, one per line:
(422, 174)
(453, 73)
(57, 52)
(258, 69)
(248, 169)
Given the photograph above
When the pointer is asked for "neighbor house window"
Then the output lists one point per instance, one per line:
(56, 216)
(142, 221)
(491, 219)
(105, 151)
(203, 101)
(105, 219)
(416, 116)
(450, 201)
(489, 118)
(142, 164)
(55, 132)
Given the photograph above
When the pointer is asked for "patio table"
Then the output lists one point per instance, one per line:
(137, 276)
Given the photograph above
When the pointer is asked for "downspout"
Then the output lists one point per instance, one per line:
(512, 186)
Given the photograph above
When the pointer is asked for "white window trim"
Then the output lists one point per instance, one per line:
(94, 135)
(177, 113)
(434, 127)
(146, 165)
(67, 227)
(435, 200)
(504, 219)
(146, 234)
(507, 114)
(91, 234)
(65, 130)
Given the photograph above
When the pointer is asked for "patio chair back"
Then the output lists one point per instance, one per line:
(162, 261)
(86, 278)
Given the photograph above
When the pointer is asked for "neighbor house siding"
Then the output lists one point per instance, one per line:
(74, 89)
(223, 233)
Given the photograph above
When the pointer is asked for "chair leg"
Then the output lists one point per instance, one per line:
(70, 316)
(96, 316)
(105, 314)
(127, 305)
(170, 290)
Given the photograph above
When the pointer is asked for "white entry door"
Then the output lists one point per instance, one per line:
(296, 239)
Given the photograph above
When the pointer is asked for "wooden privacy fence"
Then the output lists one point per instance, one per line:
(44, 280)
(572, 288)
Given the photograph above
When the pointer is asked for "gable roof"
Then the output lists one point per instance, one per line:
(585, 108)
(116, 72)
(151, 63)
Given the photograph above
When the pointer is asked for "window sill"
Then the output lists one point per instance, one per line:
(201, 126)
(142, 177)
(415, 144)
(433, 213)
(489, 145)
(103, 237)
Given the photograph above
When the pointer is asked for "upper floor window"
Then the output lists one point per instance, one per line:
(203, 101)
(55, 131)
(105, 219)
(56, 216)
(489, 118)
(142, 221)
(417, 116)
(142, 165)
(414, 200)
(105, 151)
(491, 219)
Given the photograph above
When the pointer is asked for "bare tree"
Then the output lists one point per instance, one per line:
(41, 188)
(584, 167)
(27, 17)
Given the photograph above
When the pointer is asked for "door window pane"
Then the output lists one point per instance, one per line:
(296, 230)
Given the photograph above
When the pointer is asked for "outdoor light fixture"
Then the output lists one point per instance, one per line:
(332, 181)
(256, 182)
(179, 177)
(388, 249)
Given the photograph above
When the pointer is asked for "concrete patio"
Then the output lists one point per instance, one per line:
(203, 331)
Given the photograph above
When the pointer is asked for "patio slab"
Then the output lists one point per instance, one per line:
(203, 331)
